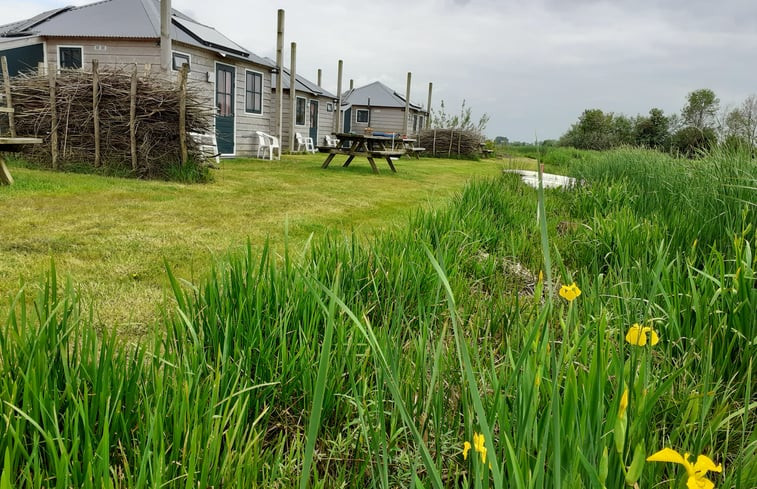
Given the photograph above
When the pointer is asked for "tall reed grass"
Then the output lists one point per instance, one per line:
(371, 363)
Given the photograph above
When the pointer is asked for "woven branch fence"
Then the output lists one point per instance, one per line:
(110, 119)
(451, 142)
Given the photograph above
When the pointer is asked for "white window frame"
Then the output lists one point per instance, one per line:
(262, 92)
(189, 60)
(69, 46)
(304, 112)
(367, 116)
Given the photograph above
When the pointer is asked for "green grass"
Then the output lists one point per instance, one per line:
(369, 359)
(111, 235)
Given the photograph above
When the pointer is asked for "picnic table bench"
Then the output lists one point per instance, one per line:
(11, 145)
(410, 148)
(365, 145)
(486, 152)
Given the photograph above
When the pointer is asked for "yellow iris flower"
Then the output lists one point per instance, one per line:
(570, 292)
(623, 404)
(478, 444)
(637, 335)
(695, 471)
(466, 448)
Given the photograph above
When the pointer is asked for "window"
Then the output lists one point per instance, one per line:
(329, 107)
(254, 93)
(300, 120)
(70, 57)
(179, 60)
(362, 115)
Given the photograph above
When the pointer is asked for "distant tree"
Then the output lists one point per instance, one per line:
(622, 130)
(594, 130)
(690, 141)
(464, 121)
(501, 140)
(740, 124)
(700, 109)
(653, 131)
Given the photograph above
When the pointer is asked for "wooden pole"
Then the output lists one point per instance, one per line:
(320, 76)
(428, 106)
(96, 110)
(339, 127)
(292, 96)
(133, 118)
(407, 101)
(165, 36)
(8, 98)
(183, 113)
(280, 75)
(53, 118)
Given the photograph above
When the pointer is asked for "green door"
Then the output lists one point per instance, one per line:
(314, 121)
(348, 120)
(225, 109)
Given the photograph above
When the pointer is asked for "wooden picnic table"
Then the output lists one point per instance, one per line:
(365, 145)
(410, 148)
(11, 145)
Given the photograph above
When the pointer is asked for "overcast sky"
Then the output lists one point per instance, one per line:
(532, 65)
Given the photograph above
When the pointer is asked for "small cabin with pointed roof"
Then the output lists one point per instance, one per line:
(124, 33)
(315, 109)
(382, 109)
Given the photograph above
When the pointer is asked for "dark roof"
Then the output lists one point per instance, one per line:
(131, 19)
(379, 94)
(303, 85)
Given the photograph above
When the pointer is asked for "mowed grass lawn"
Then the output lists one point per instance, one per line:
(111, 235)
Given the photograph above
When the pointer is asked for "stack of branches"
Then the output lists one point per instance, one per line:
(456, 143)
(156, 121)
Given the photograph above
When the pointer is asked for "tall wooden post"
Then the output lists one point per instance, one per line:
(183, 113)
(133, 119)
(428, 106)
(96, 109)
(165, 36)
(320, 76)
(8, 99)
(407, 101)
(339, 127)
(292, 96)
(53, 118)
(280, 75)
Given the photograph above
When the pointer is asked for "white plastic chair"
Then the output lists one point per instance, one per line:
(273, 145)
(268, 144)
(263, 145)
(307, 143)
(330, 141)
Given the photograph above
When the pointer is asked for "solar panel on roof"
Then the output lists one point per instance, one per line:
(210, 36)
(22, 26)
